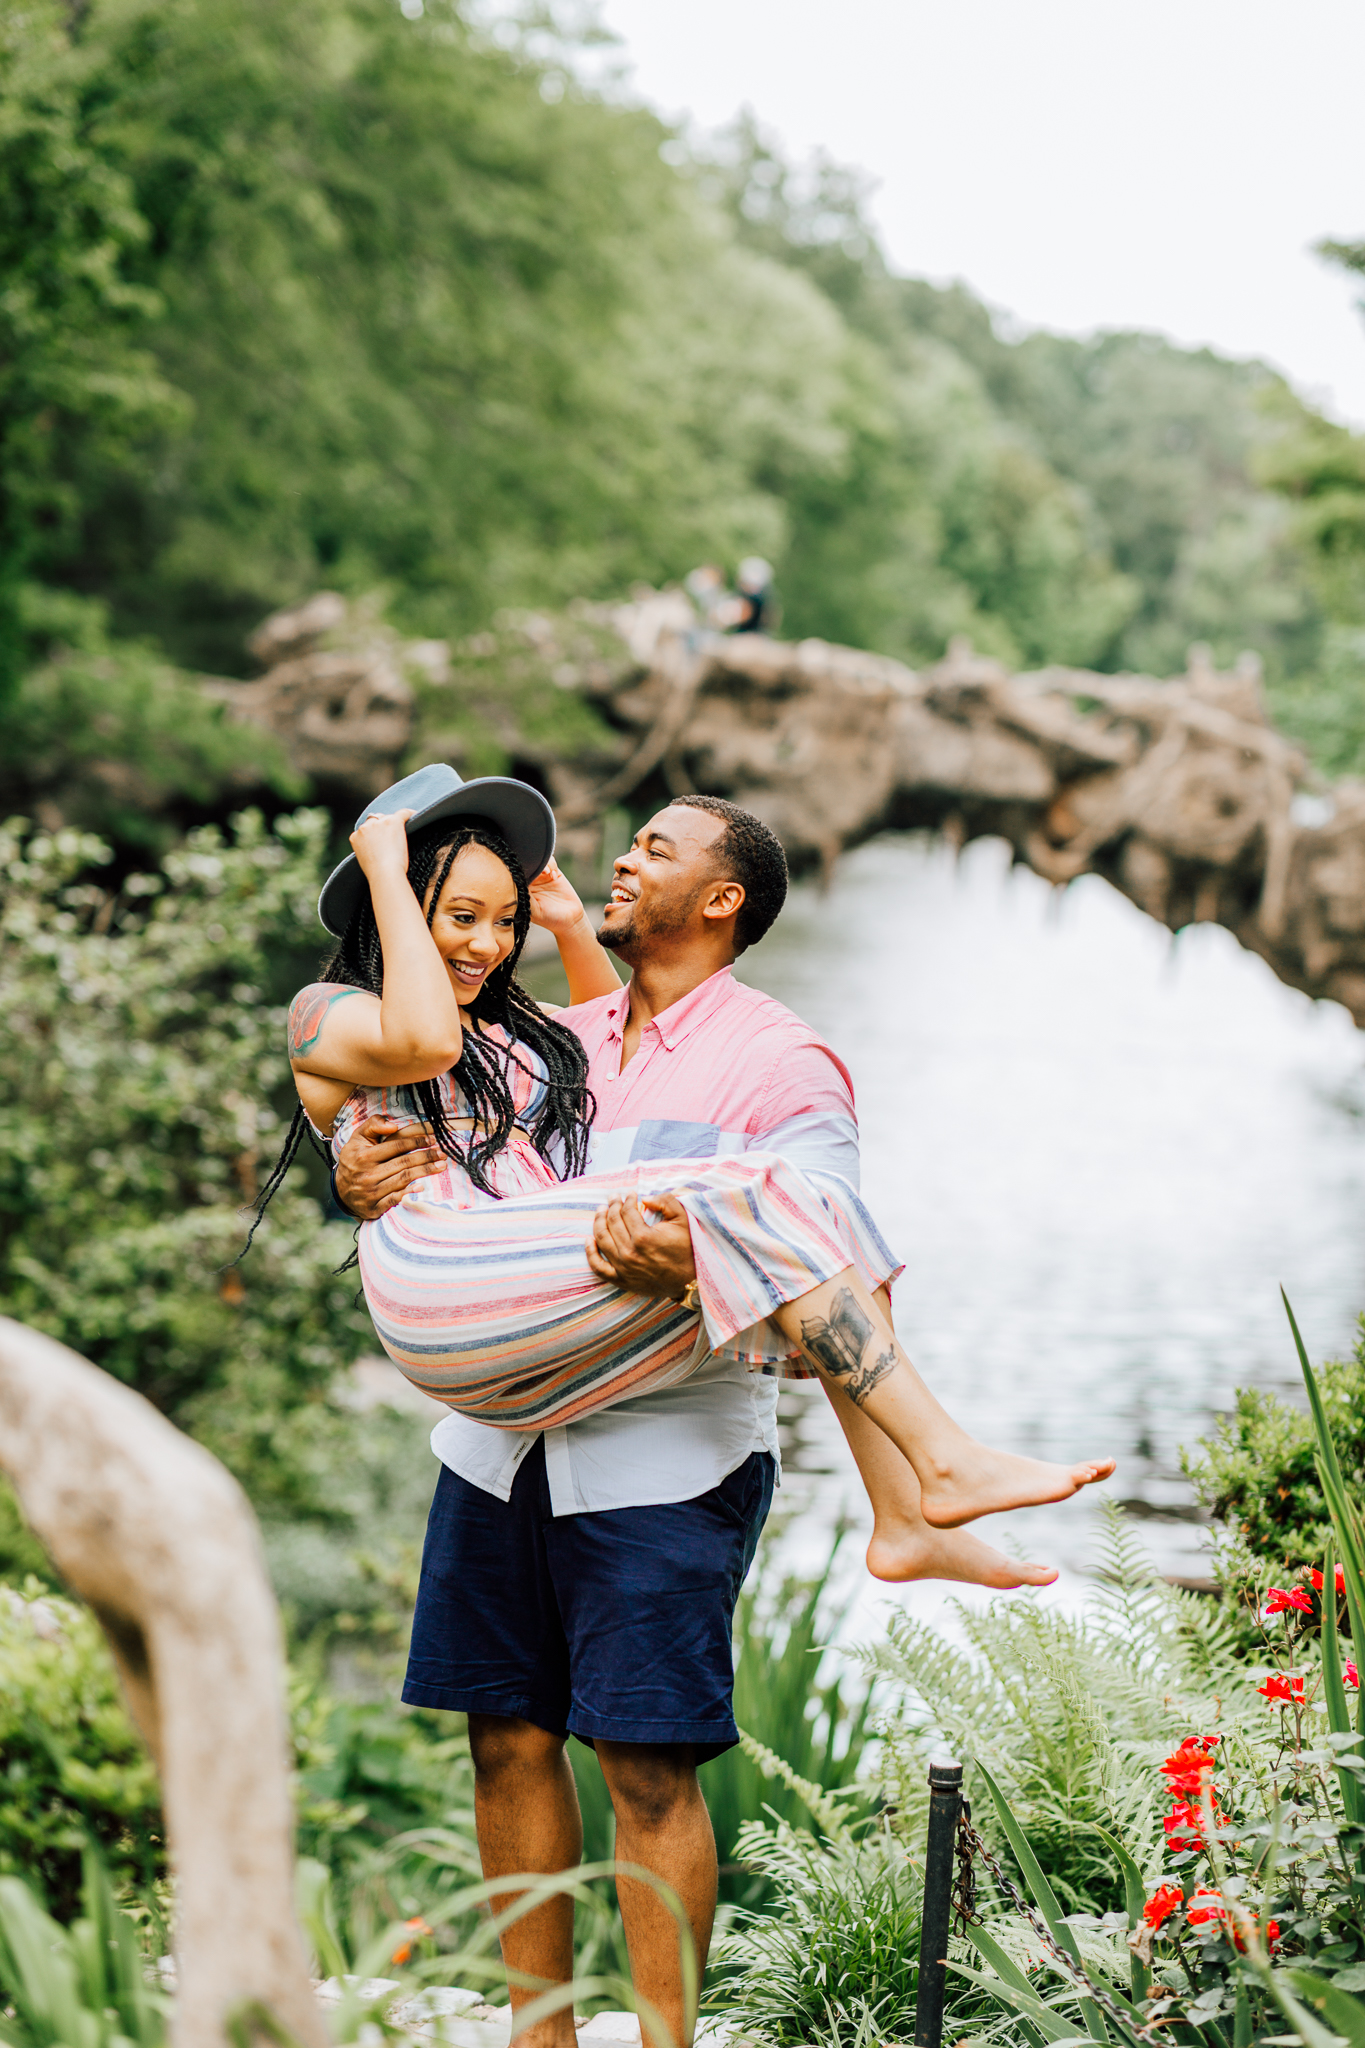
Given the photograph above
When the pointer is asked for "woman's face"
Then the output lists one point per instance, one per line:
(475, 919)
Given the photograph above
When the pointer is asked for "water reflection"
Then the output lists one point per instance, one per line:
(1099, 1151)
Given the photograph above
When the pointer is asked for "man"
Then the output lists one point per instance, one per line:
(583, 1579)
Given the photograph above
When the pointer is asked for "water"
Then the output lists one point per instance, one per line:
(1100, 1152)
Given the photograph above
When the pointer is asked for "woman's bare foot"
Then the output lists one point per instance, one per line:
(989, 1482)
(909, 1550)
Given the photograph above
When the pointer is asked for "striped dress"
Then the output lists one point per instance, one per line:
(488, 1303)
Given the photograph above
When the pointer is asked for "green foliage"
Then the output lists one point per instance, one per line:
(74, 1771)
(144, 1045)
(1257, 1473)
(835, 1959)
(1320, 468)
(1068, 1712)
(75, 385)
(1098, 500)
(107, 736)
(453, 326)
(82, 1985)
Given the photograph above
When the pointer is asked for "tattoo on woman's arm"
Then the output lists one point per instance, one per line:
(840, 1343)
(308, 1014)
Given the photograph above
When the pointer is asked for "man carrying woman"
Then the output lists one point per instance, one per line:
(582, 1576)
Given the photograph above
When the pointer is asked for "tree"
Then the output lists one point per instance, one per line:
(77, 381)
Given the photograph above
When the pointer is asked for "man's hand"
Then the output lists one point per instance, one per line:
(377, 1166)
(641, 1256)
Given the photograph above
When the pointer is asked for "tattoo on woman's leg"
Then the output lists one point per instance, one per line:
(840, 1340)
(862, 1383)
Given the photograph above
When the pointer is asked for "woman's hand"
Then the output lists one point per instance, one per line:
(555, 902)
(380, 844)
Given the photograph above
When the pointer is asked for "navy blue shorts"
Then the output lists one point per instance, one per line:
(616, 1624)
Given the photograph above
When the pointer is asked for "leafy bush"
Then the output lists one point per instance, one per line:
(1257, 1473)
(74, 1769)
(1255, 1897)
(140, 1032)
(107, 736)
(1069, 1712)
(836, 1957)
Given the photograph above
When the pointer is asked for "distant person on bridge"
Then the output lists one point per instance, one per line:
(757, 610)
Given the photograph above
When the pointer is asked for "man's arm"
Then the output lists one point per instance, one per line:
(644, 1256)
(806, 1116)
(375, 1168)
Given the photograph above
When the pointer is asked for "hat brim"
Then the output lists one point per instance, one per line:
(519, 812)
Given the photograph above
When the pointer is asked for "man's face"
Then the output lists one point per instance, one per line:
(658, 887)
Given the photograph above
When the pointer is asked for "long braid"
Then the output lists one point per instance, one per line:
(559, 1130)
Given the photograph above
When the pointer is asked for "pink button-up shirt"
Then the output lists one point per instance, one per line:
(725, 1070)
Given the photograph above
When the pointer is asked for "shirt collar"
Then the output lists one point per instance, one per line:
(681, 1019)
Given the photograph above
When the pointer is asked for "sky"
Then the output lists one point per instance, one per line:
(1080, 164)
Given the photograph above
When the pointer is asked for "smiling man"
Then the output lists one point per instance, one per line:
(583, 1579)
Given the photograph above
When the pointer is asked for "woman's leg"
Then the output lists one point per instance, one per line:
(903, 1545)
(850, 1341)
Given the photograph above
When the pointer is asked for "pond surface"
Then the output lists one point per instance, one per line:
(1100, 1152)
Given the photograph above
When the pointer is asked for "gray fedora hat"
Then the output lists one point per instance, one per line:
(519, 812)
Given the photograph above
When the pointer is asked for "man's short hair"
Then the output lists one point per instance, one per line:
(748, 853)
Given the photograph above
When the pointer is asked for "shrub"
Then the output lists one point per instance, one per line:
(836, 1958)
(74, 1768)
(1070, 1713)
(1256, 1474)
(144, 1047)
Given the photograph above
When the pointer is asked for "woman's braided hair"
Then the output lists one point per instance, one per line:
(559, 1130)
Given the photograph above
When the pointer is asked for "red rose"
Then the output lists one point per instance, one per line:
(1284, 1688)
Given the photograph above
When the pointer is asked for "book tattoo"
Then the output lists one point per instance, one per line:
(840, 1342)
(308, 1013)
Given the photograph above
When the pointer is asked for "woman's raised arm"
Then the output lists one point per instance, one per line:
(411, 1032)
(555, 905)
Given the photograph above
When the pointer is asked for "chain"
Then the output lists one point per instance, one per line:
(964, 1881)
(969, 1846)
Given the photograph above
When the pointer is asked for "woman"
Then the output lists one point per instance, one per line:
(478, 1282)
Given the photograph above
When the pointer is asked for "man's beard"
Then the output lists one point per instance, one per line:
(645, 922)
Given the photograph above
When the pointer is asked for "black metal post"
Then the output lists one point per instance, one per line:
(945, 1804)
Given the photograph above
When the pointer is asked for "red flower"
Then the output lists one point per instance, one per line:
(1350, 1674)
(1165, 1900)
(1184, 1827)
(416, 1928)
(1204, 1907)
(1283, 1687)
(1316, 1576)
(1190, 1767)
(1280, 1602)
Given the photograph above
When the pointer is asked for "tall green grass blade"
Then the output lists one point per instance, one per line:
(1014, 1992)
(1345, 1519)
(1043, 1896)
(1334, 1688)
(1344, 2014)
(1241, 2024)
(1134, 1899)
